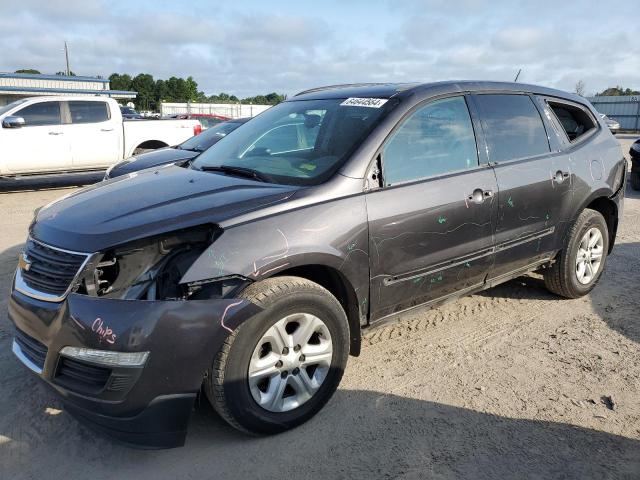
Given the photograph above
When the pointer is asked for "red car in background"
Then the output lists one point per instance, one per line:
(207, 120)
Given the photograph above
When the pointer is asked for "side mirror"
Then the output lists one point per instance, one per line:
(13, 122)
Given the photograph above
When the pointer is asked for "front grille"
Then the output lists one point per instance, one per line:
(31, 348)
(81, 376)
(50, 270)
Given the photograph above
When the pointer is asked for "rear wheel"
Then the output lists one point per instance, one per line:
(580, 263)
(279, 368)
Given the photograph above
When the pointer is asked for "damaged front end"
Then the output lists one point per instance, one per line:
(117, 334)
(152, 269)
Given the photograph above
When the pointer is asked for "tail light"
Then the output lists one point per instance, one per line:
(197, 130)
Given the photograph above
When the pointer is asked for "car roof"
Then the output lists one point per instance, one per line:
(389, 90)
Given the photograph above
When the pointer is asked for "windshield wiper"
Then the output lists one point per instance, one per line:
(241, 171)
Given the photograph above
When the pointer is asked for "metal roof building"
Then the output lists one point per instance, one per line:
(625, 109)
(14, 86)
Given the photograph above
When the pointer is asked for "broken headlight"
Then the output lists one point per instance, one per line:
(151, 268)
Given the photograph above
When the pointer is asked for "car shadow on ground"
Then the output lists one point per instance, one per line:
(359, 434)
(617, 292)
(23, 184)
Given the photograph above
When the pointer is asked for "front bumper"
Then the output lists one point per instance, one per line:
(147, 406)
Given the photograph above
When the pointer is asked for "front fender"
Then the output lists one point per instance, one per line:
(332, 234)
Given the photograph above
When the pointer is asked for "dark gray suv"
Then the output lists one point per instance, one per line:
(249, 273)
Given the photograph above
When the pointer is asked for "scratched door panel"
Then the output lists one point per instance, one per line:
(531, 205)
(427, 239)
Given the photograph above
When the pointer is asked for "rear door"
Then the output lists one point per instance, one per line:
(534, 182)
(94, 133)
(430, 224)
(41, 145)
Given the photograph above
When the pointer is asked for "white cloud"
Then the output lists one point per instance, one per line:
(283, 47)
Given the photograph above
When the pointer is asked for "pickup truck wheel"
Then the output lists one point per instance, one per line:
(280, 367)
(635, 179)
(580, 263)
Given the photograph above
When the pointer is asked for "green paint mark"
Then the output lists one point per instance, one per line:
(436, 279)
(547, 217)
(442, 219)
(510, 202)
(418, 279)
(468, 265)
(351, 246)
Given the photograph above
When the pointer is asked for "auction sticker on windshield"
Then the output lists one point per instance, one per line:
(364, 102)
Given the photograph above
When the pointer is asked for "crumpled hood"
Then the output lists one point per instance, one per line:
(148, 203)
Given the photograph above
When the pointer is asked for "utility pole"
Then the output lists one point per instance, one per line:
(66, 55)
(517, 75)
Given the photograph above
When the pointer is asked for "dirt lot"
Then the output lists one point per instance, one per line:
(510, 383)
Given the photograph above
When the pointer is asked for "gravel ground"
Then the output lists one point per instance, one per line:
(510, 383)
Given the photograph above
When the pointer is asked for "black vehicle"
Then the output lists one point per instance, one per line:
(634, 152)
(250, 272)
(129, 113)
(187, 150)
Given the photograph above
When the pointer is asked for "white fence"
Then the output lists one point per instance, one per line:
(226, 109)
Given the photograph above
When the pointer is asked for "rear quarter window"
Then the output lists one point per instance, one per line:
(512, 127)
(574, 120)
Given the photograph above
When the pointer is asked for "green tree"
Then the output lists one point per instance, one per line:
(120, 82)
(617, 91)
(268, 99)
(161, 92)
(28, 70)
(191, 89)
(146, 88)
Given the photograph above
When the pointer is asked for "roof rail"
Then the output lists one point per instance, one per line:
(343, 85)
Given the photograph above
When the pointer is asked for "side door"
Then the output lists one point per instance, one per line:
(94, 132)
(534, 182)
(430, 222)
(41, 145)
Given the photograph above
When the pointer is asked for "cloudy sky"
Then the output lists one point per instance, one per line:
(251, 47)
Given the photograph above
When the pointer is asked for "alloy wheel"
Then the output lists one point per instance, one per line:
(589, 256)
(290, 362)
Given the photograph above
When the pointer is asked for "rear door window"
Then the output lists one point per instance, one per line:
(512, 127)
(88, 112)
(43, 113)
(437, 138)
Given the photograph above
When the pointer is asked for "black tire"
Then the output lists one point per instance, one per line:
(561, 277)
(635, 180)
(227, 385)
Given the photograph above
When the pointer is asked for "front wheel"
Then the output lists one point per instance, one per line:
(580, 263)
(279, 368)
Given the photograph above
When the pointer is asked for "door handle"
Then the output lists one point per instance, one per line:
(479, 195)
(106, 129)
(560, 176)
(55, 133)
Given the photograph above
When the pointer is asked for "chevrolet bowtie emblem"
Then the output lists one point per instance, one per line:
(23, 262)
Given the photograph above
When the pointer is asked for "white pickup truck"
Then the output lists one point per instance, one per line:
(64, 134)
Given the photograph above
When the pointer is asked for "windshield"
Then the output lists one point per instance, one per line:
(201, 142)
(128, 110)
(298, 142)
(8, 107)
